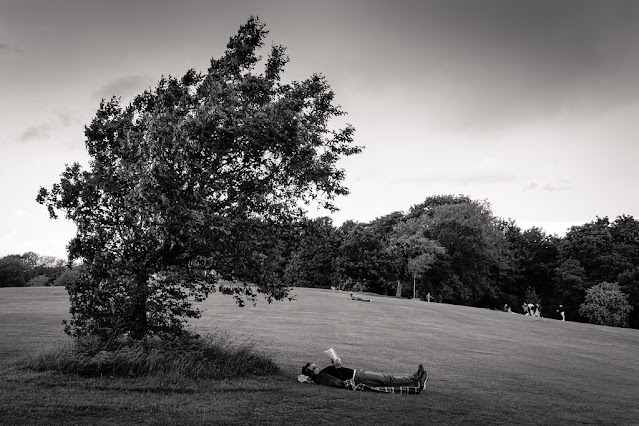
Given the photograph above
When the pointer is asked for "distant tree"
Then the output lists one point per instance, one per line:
(364, 260)
(69, 277)
(38, 265)
(29, 269)
(535, 256)
(385, 261)
(606, 304)
(34, 260)
(570, 285)
(624, 232)
(411, 252)
(192, 181)
(39, 281)
(14, 271)
(31, 259)
(607, 252)
(476, 255)
(359, 262)
(313, 261)
(531, 296)
(629, 284)
(625, 237)
(592, 246)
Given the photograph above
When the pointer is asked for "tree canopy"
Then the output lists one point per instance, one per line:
(192, 182)
(606, 304)
(29, 269)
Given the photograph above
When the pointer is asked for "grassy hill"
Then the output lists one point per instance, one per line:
(486, 367)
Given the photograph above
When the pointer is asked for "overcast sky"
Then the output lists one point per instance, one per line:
(530, 105)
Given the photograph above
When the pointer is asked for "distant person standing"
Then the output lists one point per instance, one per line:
(428, 297)
(562, 312)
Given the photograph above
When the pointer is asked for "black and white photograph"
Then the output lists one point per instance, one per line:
(196, 195)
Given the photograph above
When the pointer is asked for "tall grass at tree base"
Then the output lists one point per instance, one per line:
(214, 356)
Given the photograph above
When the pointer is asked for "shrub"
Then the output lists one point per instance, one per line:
(606, 304)
(39, 281)
(215, 356)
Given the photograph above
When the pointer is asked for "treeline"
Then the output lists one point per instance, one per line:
(456, 250)
(451, 247)
(33, 270)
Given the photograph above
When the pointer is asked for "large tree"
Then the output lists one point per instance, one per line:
(361, 261)
(534, 260)
(570, 286)
(607, 252)
(591, 244)
(411, 252)
(476, 256)
(191, 182)
(625, 237)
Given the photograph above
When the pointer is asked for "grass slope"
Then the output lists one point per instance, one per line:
(486, 367)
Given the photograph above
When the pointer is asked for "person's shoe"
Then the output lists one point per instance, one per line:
(422, 380)
(420, 372)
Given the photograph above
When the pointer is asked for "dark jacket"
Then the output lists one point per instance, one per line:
(331, 376)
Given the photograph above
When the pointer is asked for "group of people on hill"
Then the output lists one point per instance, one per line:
(534, 310)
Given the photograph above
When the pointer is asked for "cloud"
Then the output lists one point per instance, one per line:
(66, 119)
(38, 131)
(495, 64)
(548, 187)
(461, 177)
(125, 87)
(46, 129)
(6, 49)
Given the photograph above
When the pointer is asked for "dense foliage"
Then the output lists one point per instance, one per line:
(449, 246)
(30, 269)
(605, 304)
(455, 249)
(193, 181)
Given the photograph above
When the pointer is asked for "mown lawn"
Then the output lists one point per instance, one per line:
(486, 367)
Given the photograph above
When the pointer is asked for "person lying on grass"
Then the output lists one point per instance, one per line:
(348, 378)
(361, 299)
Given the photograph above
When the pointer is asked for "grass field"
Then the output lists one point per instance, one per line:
(486, 367)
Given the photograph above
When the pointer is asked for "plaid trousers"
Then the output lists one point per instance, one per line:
(405, 390)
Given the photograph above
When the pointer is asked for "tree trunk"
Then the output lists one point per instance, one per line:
(139, 324)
